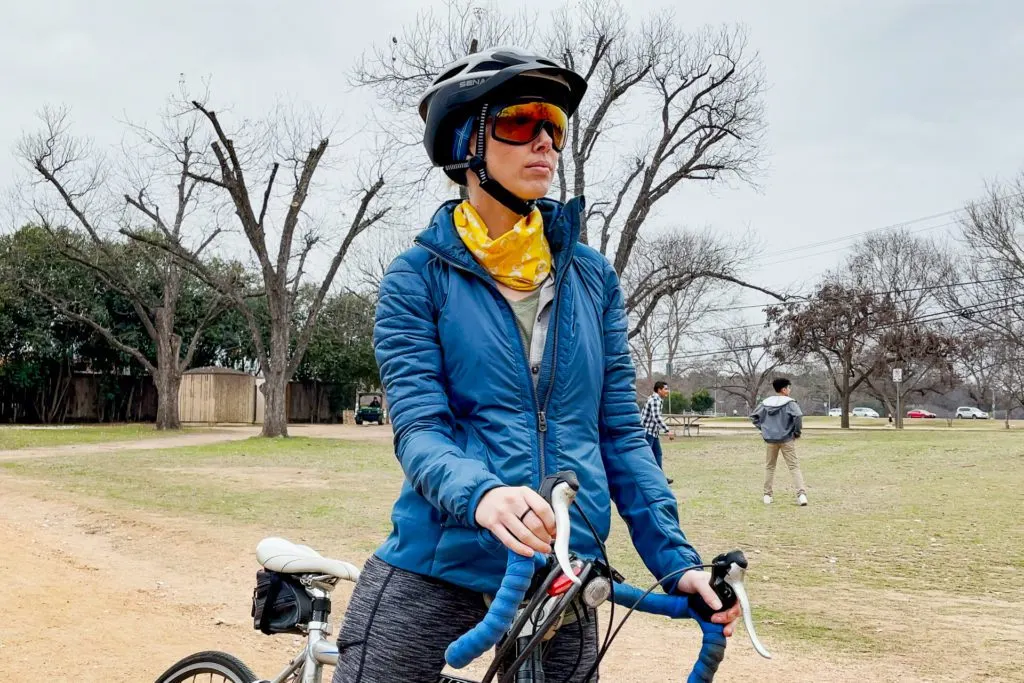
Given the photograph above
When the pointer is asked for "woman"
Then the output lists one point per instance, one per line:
(502, 348)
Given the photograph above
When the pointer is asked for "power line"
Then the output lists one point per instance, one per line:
(846, 247)
(803, 298)
(933, 317)
(892, 226)
(846, 238)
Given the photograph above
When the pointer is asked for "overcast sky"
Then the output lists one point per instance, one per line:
(879, 111)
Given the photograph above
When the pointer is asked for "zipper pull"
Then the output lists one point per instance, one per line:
(542, 422)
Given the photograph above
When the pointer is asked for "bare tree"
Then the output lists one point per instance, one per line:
(371, 261)
(694, 265)
(989, 289)
(78, 190)
(835, 325)
(661, 339)
(403, 68)
(908, 270)
(926, 356)
(978, 363)
(254, 169)
(747, 362)
(647, 345)
(1010, 377)
(696, 98)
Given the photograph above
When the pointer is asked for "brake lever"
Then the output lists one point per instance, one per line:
(728, 572)
(734, 578)
(727, 575)
(559, 490)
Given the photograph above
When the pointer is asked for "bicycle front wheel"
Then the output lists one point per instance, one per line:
(209, 667)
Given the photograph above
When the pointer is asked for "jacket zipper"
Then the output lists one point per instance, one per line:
(539, 410)
(542, 418)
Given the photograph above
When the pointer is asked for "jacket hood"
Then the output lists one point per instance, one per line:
(776, 401)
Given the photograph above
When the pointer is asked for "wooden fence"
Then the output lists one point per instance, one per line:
(205, 398)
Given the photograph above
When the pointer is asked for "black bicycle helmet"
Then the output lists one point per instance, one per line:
(468, 86)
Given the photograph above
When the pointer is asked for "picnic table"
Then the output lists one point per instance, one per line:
(687, 421)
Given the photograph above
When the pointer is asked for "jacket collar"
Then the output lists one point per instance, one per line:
(561, 227)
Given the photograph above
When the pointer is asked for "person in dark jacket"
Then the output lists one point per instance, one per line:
(502, 346)
(780, 422)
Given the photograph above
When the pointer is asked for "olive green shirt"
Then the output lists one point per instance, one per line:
(526, 316)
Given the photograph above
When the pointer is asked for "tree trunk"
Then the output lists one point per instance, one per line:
(275, 416)
(890, 407)
(844, 421)
(275, 389)
(751, 400)
(168, 386)
(901, 402)
(167, 377)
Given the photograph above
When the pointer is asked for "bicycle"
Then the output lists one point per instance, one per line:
(530, 605)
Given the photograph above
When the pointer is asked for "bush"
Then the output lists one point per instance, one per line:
(677, 402)
(702, 401)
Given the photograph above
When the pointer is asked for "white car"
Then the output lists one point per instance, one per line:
(968, 413)
(865, 412)
(835, 412)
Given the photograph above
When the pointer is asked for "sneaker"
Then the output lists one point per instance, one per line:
(801, 500)
(767, 499)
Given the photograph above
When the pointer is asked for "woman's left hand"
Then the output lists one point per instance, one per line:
(699, 582)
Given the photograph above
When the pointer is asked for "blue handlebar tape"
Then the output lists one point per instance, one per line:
(482, 637)
(712, 650)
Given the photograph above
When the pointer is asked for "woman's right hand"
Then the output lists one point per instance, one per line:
(518, 517)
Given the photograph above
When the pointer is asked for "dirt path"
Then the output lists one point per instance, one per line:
(217, 435)
(122, 595)
(173, 441)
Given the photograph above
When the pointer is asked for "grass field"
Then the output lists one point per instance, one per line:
(909, 536)
(15, 437)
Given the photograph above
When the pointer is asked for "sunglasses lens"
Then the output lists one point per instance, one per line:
(519, 124)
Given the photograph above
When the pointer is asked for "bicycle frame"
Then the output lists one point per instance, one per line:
(319, 649)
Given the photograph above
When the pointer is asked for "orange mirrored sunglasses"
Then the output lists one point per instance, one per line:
(520, 124)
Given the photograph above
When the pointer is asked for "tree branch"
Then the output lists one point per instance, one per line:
(309, 166)
(103, 331)
(360, 222)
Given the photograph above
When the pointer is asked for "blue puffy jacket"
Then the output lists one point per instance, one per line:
(467, 418)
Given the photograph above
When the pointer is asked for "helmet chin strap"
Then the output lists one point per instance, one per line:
(478, 165)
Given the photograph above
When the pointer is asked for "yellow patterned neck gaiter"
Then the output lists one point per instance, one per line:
(520, 259)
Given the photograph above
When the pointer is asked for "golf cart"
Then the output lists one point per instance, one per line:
(370, 408)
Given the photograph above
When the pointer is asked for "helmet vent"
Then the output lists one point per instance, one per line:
(449, 74)
(488, 66)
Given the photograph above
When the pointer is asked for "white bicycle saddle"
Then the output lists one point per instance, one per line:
(280, 555)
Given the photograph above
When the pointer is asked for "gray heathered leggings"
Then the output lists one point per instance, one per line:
(398, 625)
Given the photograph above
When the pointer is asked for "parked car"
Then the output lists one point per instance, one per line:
(918, 413)
(970, 413)
(865, 412)
(835, 412)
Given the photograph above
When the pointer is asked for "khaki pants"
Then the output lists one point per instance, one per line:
(792, 461)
